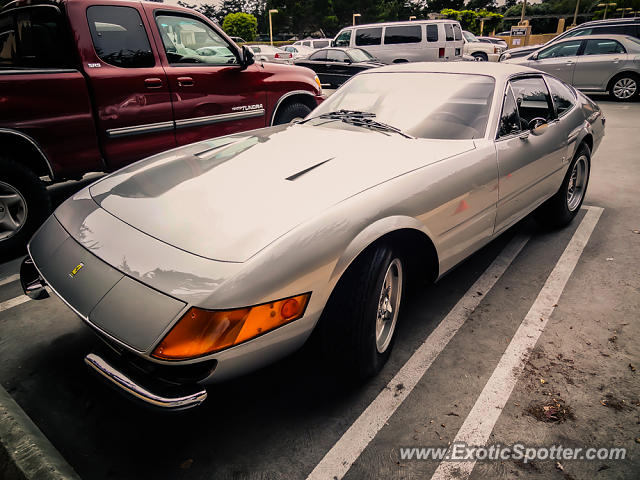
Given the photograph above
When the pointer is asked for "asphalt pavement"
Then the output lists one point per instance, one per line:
(532, 340)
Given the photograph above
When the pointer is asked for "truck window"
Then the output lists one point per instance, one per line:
(448, 30)
(432, 33)
(368, 36)
(403, 34)
(343, 39)
(34, 38)
(188, 40)
(457, 32)
(119, 37)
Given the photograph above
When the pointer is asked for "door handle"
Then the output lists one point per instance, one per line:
(153, 83)
(185, 82)
(616, 60)
(570, 62)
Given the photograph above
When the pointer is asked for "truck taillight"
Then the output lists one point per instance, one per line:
(441, 52)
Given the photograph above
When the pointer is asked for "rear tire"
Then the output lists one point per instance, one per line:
(624, 87)
(24, 205)
(560, 209)
(357, 328)
(291, 112)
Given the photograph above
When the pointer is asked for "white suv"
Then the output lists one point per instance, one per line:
(481, 51)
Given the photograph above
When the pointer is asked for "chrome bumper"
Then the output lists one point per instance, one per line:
(181, 398)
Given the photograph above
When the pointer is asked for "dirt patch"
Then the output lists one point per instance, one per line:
(555, 411)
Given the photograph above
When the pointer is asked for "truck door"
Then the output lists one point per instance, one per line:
(129, 87)
(212, 94)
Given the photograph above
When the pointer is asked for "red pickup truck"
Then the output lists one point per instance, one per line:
(92, 85)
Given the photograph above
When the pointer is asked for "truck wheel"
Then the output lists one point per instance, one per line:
(294, 111)
(24, 204)
(480, 56)
(359, 322)
(560, 209)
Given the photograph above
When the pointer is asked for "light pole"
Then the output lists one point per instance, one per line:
(606, 7)
(575, 14)
(482, 24)
(354, 17)
(273, 10)
(412, 17)
(628, 9)
(524, 6)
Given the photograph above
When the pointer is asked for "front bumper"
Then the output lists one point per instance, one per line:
(165, 397)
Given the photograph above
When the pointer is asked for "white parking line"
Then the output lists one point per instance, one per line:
(348, 448)
(13, 302)
(479, 423)
(10, 279)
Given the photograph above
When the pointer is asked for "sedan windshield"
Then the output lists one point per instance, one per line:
(423, 105)
(358, 55)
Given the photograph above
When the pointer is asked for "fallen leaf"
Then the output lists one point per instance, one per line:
(543, 381)
(638, 440)
(186, 464)
(559, 466)
(609, 259)
(636, 231)
(442, 425)
(632, 368)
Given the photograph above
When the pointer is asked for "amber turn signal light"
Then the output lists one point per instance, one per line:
(200, 332)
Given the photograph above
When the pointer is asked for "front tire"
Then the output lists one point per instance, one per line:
(625, 87)
(24, 204)
(560, 209)
(480, 56)
(291, 112)
(359, 323)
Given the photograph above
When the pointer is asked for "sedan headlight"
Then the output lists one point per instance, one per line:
(200, 332)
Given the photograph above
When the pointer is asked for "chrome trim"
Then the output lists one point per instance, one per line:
(223, 117)
(123, 382)
(35, 145)
(284, 97)
(137, 129)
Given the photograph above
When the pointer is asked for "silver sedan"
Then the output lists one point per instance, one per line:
(592, 63)
(214, 259)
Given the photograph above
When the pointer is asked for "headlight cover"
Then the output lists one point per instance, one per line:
(201, 332)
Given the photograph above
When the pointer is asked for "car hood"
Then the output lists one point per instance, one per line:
(227, 198)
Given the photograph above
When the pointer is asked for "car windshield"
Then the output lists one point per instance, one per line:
(360, 55)
(470, 37)
(424, 105)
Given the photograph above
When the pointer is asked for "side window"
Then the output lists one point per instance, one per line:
(336, 56)
(603, 47)
(255, 48)
(616, 30)
(532, 98)
(306, 44)
(368, 36)
(563, 96)
(457, 31)
(509, 119)
(321, 43)
(343, 39)
(119, 37)
(33, 38)
(319, 56)
(188, 40)
(432, 33)
(564, 49)
(404, 34)
(448, 31)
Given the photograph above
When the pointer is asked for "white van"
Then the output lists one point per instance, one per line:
(398, 42)
(314, 43)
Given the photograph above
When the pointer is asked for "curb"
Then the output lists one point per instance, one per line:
(25, 453)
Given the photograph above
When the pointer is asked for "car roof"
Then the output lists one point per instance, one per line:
(392, 24)
(599, 36)
(492, 69)
(610, 21)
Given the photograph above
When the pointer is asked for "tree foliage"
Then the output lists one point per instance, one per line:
(471, 19)
(242, 25)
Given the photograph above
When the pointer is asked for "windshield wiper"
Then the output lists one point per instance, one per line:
(359, 119)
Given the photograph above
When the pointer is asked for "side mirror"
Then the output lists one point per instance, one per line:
(534, 56)
(346, 60)
(246, 57)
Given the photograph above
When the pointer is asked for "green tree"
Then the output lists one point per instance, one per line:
(242, 25)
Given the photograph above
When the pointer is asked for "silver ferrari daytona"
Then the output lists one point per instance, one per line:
(214, 259)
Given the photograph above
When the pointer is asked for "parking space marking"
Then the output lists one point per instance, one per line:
(479, 423)
(348, 448)
(10, 279)
(13, 302)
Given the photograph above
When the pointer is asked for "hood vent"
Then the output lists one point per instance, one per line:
(295, 176)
